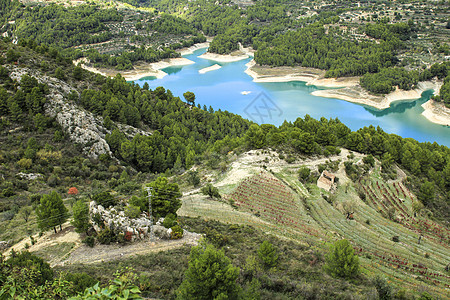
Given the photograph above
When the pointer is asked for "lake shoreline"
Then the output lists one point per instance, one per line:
(436, 112)
(140, 69)
(346, 88)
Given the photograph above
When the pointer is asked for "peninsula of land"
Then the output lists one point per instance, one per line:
(140, 70)
(209, 69)
(349, 89)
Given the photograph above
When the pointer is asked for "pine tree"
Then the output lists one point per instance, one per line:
(51, 211)
(81, 216)
(210, 275)
(268, 254)
(341, 260)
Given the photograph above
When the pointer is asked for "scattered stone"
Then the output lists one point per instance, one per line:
(30, 176)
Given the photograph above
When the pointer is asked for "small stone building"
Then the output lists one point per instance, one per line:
(326, 181)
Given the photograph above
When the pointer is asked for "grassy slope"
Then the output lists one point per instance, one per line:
(379, 254)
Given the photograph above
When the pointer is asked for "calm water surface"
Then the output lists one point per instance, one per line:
(275, 102)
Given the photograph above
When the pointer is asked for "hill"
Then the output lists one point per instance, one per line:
(64, 127)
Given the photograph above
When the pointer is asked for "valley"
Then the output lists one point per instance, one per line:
(202, 149)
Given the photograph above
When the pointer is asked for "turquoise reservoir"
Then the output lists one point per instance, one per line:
(229, 88)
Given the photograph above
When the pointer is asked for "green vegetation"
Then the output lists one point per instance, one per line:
(51, 211)
(165, 197)
(210, 191)
(268, 254)
(81, 216)
(251, 264)
(210, 275)
(341, 260)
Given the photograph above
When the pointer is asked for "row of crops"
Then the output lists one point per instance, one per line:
(269, 199)
(419, 256)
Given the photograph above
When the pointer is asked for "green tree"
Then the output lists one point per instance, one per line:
(104, 199)
(255, 136)
(426, 193)
(210, 275)
(165, 197)
(303, 174)
(59, 73)
(190, 97)
(267, 253)
(211, 191)
(81, 216)
(51, 211)
(383, 288)
(341, 260)
(77, 73)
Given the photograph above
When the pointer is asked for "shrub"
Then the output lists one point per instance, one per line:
(383, 288)
(140, 202)
(104, 199)
(170, 221)
(80, 281)
(29, 261)
(341, 260)
(177, 232)
(53, 180)
(268, 254)
(89, 241)
(128, 235)
(192, 178)
(369, 160)
(132, 211)
(303, 174)
(25, 163)
(396, 238)
(211, 191)
(73, 191)
(106, 237)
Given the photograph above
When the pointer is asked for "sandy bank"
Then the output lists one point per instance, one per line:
(190, 50)
(235, 56)
(436, 112)
(348, 88)
(208, 69)
(285, 74)
(357, 94)
(140, 70)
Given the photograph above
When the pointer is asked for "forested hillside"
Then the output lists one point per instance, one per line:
(343, 38)
(108, 37)
(75, 144)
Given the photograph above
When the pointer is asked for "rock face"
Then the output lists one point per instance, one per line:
(82, 126)
(135, 229)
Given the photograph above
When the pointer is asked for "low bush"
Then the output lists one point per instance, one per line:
(177, 232)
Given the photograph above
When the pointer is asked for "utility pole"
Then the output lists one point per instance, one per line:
(149, 196)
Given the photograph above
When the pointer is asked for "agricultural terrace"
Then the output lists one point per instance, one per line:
(381, 213)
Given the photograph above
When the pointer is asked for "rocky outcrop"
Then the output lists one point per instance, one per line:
(116, 221)
(29, 176)
(82, 126)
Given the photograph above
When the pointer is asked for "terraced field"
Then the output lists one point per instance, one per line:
(283, 206)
